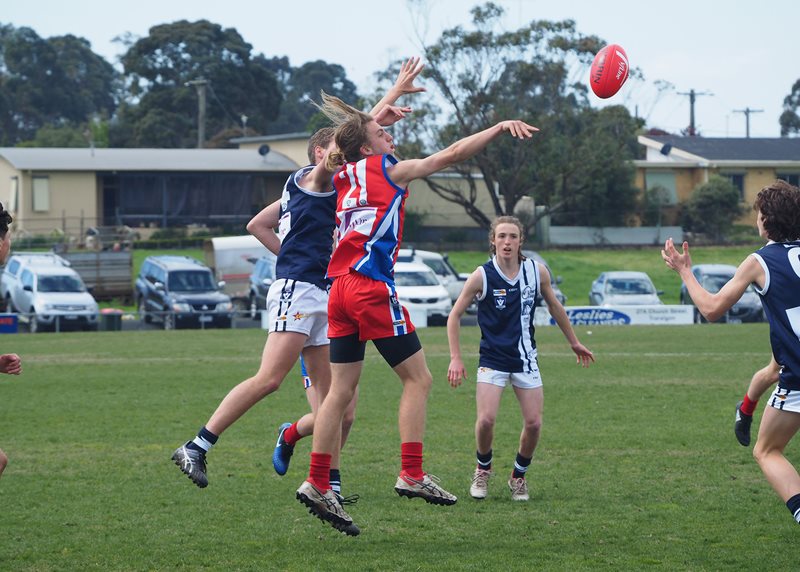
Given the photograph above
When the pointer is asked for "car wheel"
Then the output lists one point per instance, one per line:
(10, 304)
(147, 318)
(169, 321)
(253, 305)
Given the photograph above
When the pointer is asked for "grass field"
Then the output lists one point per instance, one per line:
(637, 468)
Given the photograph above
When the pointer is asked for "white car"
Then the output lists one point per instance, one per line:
(419, 290)
(444, 271)
(623, 288)
(54, 297)
(9, 280)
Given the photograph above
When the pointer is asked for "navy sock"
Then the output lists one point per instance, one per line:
(204, 441)
(521, 465)
(336, 481)
(793, 504)
(484, 460)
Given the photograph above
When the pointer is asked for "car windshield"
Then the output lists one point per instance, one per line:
(437, 265)
(630, 286)
(191, 281)
(60, 284)
(415, 279)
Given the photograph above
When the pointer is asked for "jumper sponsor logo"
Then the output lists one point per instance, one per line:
(527, 293)
(399, 323)
(587, 317)
(360, 220)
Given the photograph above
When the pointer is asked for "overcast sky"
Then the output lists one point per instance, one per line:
(744, 53)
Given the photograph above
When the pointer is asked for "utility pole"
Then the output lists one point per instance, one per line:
(200, 86)
(692, 98)
(747, 111)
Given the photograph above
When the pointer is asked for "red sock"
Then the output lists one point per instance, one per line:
(291, 436)
(748, 406)
(319, 471)
(411, 459)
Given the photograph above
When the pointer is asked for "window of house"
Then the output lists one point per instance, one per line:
(13, 195)
(737, 180)
(41, 194)
(791, 178)
(665, 180)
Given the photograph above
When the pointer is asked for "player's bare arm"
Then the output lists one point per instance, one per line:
(584, 355)
(406, 171)
(472, 287)
(262, 226)
(404, 84)
(712, 306)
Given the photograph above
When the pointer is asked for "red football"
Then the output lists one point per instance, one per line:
(609, 71)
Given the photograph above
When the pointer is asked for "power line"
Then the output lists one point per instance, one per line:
(692, 97)
(747, 111)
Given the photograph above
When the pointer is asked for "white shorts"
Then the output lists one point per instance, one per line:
(785, 399)
(518, 379)
(294, 306)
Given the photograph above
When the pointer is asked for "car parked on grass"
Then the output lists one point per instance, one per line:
(53, 297)
(623, 288)
(261, 278)
(180, 292)
(712, 277)
(419, 290)
(9, 280)
(554, 280)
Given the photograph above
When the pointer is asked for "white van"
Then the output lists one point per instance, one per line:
(231, 259)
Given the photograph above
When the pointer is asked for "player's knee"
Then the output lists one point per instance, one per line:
(486, 422)
(266, 384)
(533, 425)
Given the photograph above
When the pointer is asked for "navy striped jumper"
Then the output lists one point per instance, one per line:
(505, 317)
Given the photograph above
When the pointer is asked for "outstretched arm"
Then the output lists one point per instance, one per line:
(712, 306)
(403, 85)
(406, 171)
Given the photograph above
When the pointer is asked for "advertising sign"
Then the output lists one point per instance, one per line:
(620, 315)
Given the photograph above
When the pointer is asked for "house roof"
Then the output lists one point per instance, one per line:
(729, 148)
(83, 159)
(268, 138)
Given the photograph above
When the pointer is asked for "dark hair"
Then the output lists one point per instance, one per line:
(779, 205)
(509, 220)
(5, 220)
(319, 139)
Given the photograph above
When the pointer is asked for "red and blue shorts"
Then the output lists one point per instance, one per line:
(367, 307)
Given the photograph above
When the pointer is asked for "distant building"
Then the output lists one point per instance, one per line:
(73, 189)
(680, 164)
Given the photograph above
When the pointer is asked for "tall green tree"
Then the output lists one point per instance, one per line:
(50, 82)
(789, 119)
(301, 85)
(713, 208)
(577, 166)
(161, 109)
